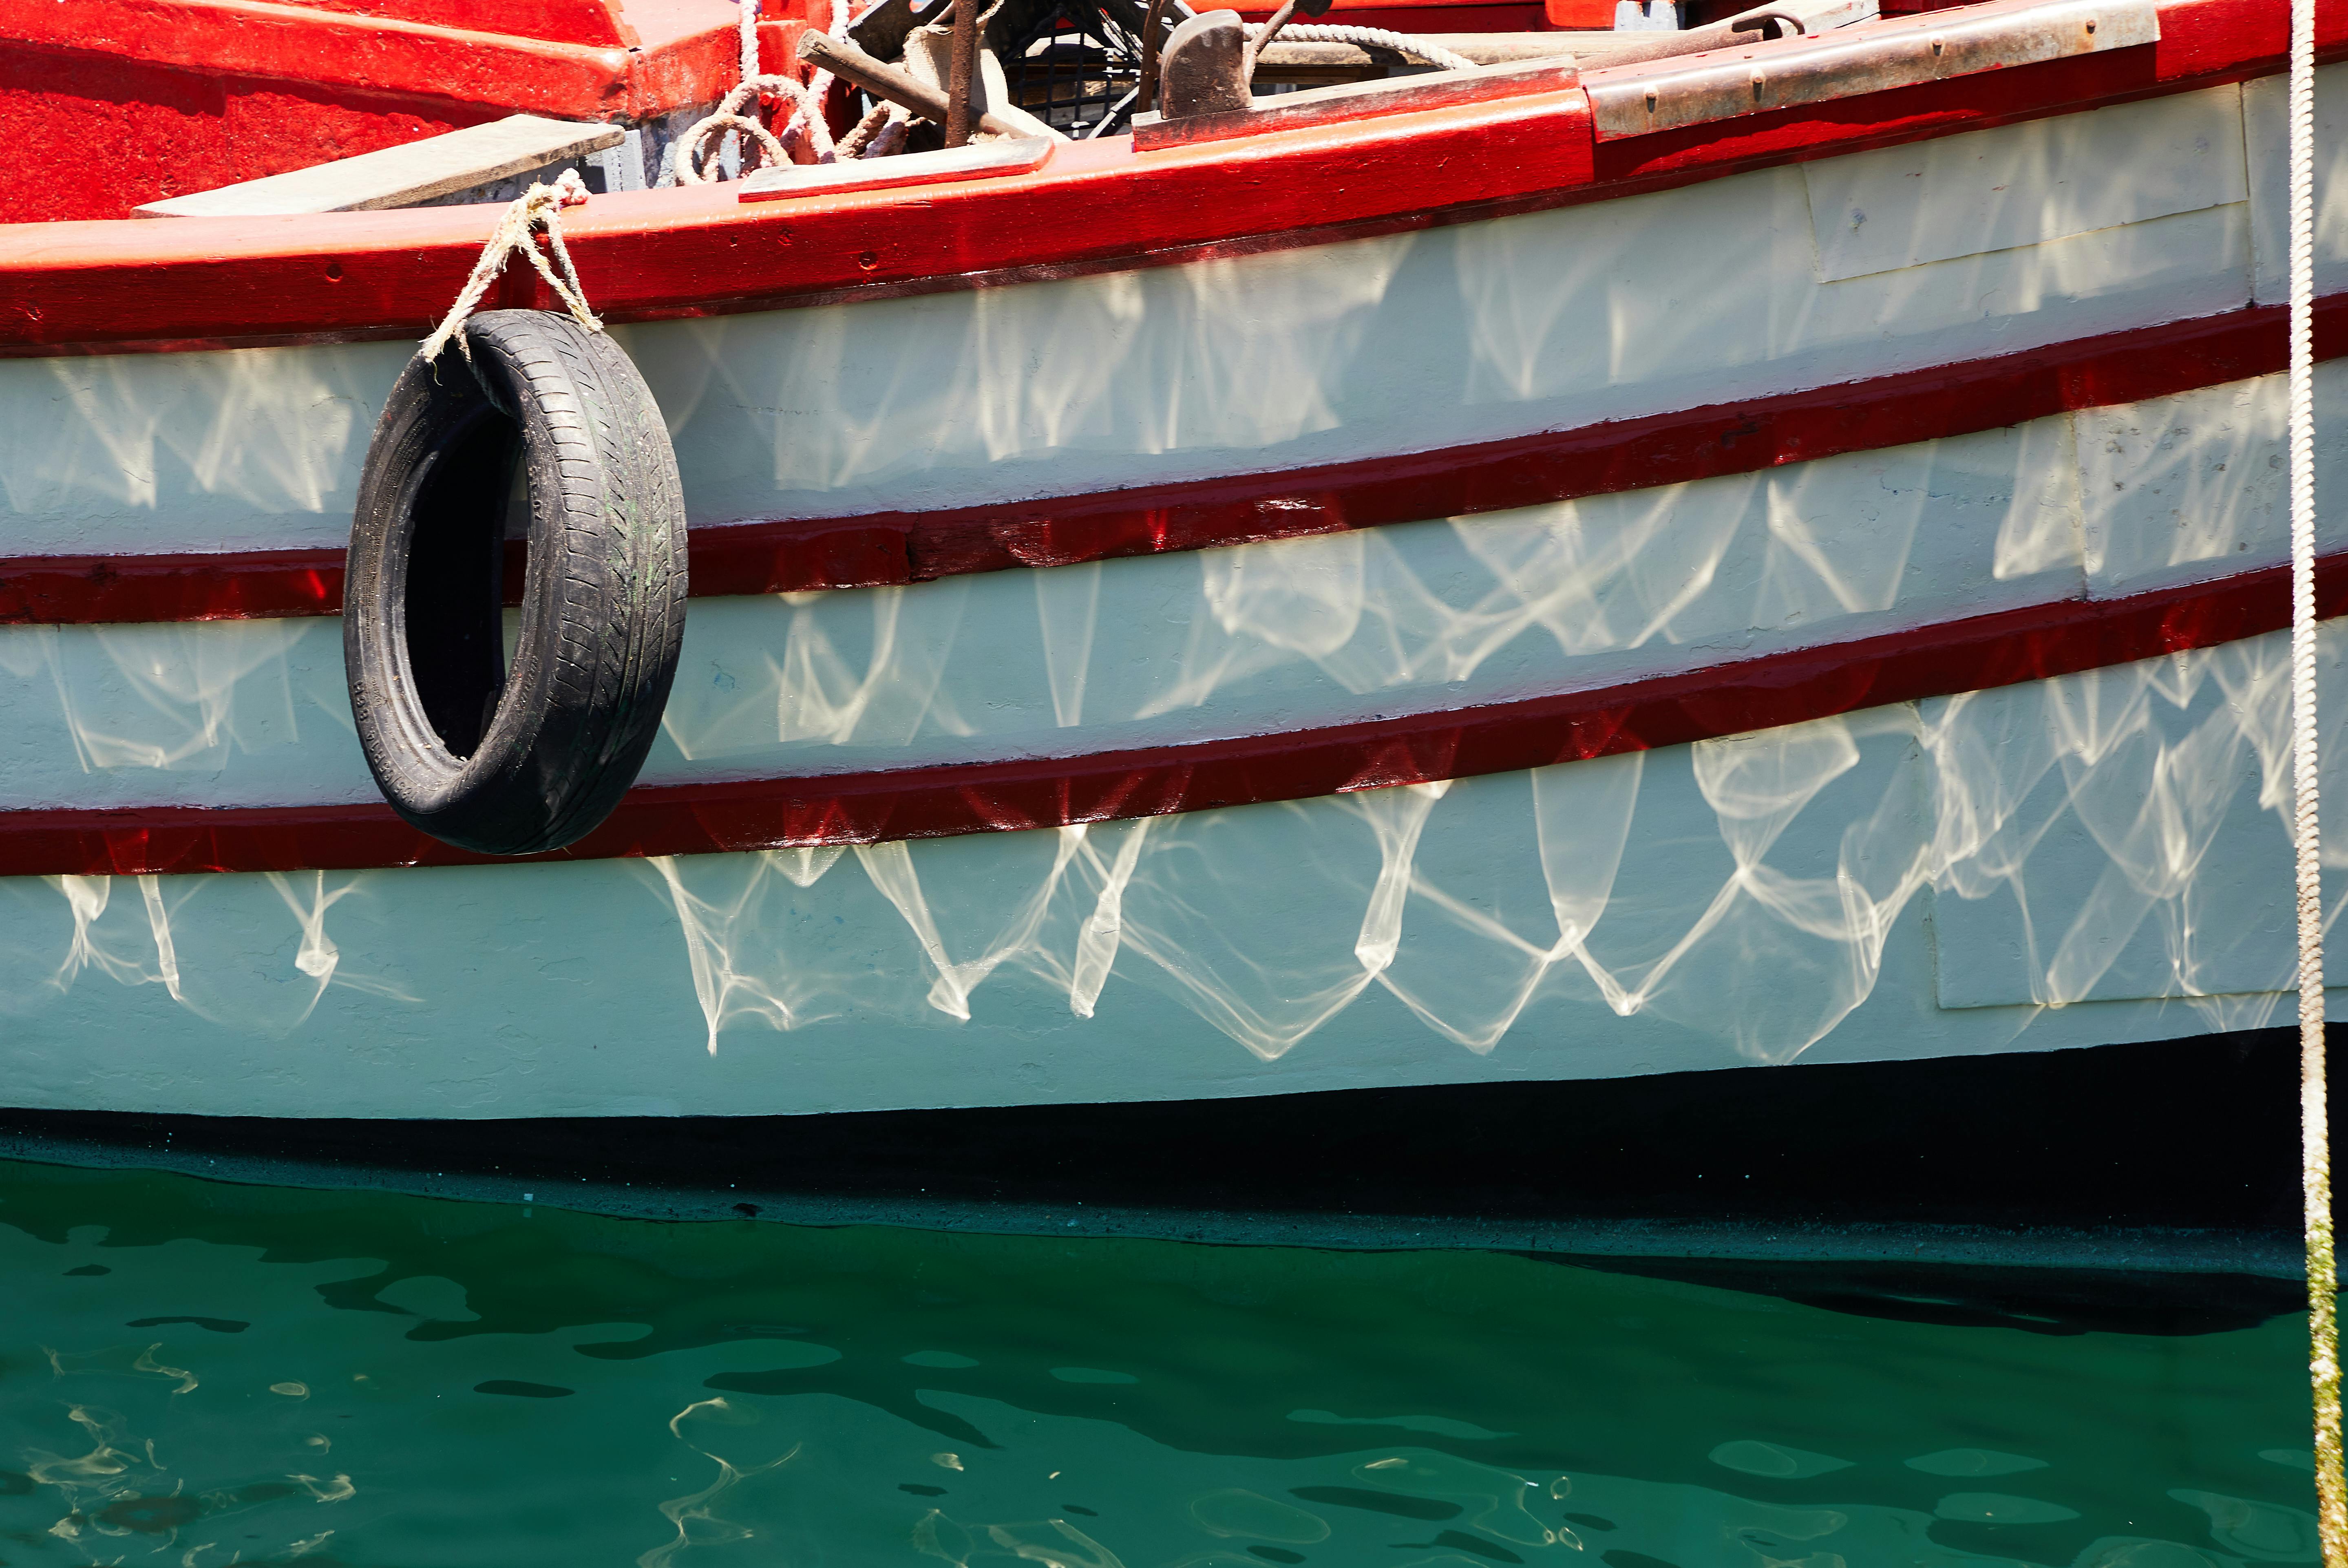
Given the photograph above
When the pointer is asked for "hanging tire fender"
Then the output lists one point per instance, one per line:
(553, 422)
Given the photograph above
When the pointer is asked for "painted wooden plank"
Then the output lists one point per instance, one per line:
(2266, 130)
(1717, 699)
(1157, 650)
(2118, 833)
(2025, 184)
(2194, 486)
(401, 176)
(238, 580)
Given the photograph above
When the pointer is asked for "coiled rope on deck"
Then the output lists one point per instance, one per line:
(2315, 1141)
(737, 111)
(536, 208)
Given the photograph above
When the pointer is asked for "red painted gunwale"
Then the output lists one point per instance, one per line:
(82, 287)
(1635, 454)
(1974, 654)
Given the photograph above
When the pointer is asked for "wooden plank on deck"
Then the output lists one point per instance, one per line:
(400, 176)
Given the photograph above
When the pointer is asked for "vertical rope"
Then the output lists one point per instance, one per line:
(731, 152)
(2315, 1138)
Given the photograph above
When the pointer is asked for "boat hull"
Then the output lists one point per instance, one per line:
(1607, 650)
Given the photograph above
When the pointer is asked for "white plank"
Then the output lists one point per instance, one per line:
(2265, 128)
(2026, 184)
(399, 176)
(2118, 835)
(2195, 487)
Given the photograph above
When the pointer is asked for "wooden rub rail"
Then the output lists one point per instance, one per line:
(1884, 54)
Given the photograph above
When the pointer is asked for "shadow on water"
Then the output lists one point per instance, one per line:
(1974, 1296)
(874, 1394)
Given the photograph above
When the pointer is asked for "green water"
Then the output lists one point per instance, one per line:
(198, 1374)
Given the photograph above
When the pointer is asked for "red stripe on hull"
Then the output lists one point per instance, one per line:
(1636, 454)
(1982, 652)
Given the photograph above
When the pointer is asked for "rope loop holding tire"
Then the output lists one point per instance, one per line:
(538, 210)
(549, 426)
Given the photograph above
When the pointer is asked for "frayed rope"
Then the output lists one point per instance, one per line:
(536, 208)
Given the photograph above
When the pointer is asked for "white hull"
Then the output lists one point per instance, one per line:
(2088, 859)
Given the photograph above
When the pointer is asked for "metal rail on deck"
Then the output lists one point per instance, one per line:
(1634, 101)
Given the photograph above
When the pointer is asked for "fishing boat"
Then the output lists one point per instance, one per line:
(1580, 552)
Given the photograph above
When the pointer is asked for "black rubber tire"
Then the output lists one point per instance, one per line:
(514, 763)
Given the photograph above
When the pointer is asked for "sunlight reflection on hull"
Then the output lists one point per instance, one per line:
(2110, 835)
(2105, 837)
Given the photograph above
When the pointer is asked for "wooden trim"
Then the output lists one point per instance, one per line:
(1597, 460)
(112, 287)
(1974, 654)
(396, 176)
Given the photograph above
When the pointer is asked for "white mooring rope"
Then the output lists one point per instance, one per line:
(2316, 1142)
(536, 208)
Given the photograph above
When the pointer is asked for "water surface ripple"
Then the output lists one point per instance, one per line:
(204, 1375)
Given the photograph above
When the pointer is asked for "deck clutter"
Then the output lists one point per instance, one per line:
(1048, 72)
